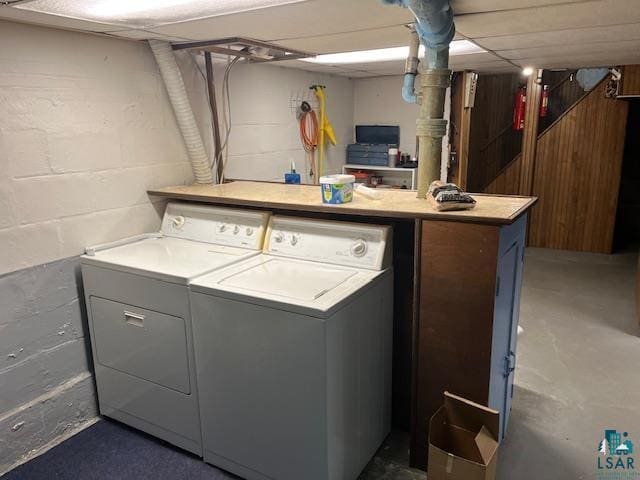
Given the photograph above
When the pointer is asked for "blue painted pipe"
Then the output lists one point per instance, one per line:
(435, 28)
(408, 88)
(434, 21)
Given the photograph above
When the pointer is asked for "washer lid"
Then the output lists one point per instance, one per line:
(284, 278)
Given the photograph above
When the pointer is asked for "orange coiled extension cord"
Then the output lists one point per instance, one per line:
(309, 139)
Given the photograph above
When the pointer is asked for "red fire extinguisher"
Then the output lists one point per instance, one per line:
(544, 103)
(519, 109)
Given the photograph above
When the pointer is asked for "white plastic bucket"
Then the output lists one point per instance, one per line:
(337, 189)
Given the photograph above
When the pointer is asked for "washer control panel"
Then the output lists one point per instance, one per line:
(217, 225)
(342, 243)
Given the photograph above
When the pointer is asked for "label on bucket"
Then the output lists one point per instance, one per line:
(337, 192)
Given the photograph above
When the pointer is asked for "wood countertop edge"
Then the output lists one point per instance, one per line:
(324, 208)
(524, 209)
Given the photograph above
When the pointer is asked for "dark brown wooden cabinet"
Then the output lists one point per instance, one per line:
(470, 277)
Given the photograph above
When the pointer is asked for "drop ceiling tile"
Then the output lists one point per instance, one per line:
(470, 63)
(56, 21)
(394, 65)
(308, 19)
(394, 36)
(498, 70)
(463, 7)
(582, 61)
(569, 51)
(364, 40)
(549, 18)
(579, 36)
(361, 74)
(144, 35)
(483, 57)
(485, 67)
(309, 67)
(370, 39)
(385, 72)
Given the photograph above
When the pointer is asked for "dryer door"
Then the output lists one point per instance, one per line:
(143, 343)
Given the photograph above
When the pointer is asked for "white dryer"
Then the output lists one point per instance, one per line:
(139, 319)
(293, 349)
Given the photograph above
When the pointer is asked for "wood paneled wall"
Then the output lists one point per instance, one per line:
(630, 84)
(491, 118)
(577, 176)
(508, 180)
(564, 91)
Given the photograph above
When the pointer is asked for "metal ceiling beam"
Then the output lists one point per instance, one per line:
(224, 46)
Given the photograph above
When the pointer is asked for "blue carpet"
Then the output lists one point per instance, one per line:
(110, 450)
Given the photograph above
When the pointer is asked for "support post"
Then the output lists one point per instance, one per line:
(211, 89)
(461, 118)
(530, 133)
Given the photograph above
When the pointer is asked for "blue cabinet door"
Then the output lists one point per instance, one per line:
(515, 318)
(505, 319)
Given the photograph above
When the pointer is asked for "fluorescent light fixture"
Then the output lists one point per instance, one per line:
(457, 47)
(146, 13)
(526, 71)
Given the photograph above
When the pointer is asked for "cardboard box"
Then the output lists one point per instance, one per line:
(463, 441)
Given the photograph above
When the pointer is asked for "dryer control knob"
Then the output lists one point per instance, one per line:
(294, 240)
(222, 227)
(249, 231)
(178, 221)
(278, 237)
(359, 248)
(236, 229)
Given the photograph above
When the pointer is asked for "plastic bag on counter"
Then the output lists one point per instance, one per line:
(448, 196)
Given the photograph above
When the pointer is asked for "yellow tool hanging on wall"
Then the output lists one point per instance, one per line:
(325, 129)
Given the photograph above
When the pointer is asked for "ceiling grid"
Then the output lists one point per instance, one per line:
(514, 33)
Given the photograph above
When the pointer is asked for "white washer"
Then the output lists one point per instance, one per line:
(139, 319)
(293, 349)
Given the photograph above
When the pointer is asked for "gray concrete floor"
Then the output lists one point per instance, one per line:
(577, 371)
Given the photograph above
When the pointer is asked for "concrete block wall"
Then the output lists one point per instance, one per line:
(378, 100)
(47, 391)
(265, 134)
(85, 129)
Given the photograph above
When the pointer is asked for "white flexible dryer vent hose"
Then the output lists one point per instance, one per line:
(172, 78)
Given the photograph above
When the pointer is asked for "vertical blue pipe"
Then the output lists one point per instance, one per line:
(408, 88)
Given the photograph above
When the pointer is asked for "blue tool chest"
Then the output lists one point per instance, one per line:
(372, 144)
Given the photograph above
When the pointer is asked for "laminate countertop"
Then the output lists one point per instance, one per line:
(489, 209)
